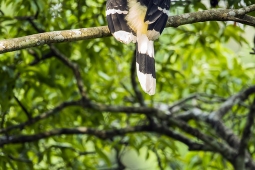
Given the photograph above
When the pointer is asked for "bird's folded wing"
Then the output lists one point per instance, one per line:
(116, 11)
(156, 17)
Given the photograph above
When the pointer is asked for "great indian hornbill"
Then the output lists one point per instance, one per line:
(140, 21)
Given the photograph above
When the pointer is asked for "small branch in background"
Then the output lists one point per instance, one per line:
(129, 98)
(41, 116)
(253, 53)
(240, 160)
(92, 105)
(192, 146)
(1, 12)
(30, 19)
(38, 9)
(74, 67)
(158, 159)
(80, 153)
(29, 117)
(205, 98)
(102, 134)
(3, 114)
(181, 102)
(19, 159)
(121, 166)
(178, 1)
(39, 59)
(194, 99)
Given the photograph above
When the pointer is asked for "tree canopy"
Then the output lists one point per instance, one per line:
(69, 104)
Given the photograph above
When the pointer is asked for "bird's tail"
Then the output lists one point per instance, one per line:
(145, 64)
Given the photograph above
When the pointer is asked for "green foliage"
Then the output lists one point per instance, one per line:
(190, 59)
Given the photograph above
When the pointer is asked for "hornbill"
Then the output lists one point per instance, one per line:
(140, 22)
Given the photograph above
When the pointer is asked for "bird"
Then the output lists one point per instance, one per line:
(214, 3)
(140, 22)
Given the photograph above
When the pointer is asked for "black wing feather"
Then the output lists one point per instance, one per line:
(155, 15)
(116, 21)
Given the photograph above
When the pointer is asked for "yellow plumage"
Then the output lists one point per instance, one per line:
(135, 17)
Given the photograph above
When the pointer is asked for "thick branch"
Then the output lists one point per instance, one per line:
(212, 144)
(80, 153)
(53, 37)
(237, 15)
(104, 134)
(214, 120)
(65, 131)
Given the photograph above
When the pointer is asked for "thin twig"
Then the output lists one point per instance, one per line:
(37, 59)
(182, 101)
(74, 67)
(41, 116)
(29, 117)
(158, 159)
(229, 103)
(80, 153)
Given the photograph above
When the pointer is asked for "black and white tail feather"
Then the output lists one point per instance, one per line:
(140, 21)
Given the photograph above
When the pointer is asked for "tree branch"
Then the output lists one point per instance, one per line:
(158, 159)
(38, 59)
(237, 15)
(224, 132)
(121, 166)
(214, 120)
(20, 159)
(23, 108)
(41, 116)
(228, 104)
(80, 153)
(104, 134)
(222, 148)
(240, 161)
(212, 144)
(65, 131)
(181, 102)
(73, 67)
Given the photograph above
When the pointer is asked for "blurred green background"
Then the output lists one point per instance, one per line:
(210, 57)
